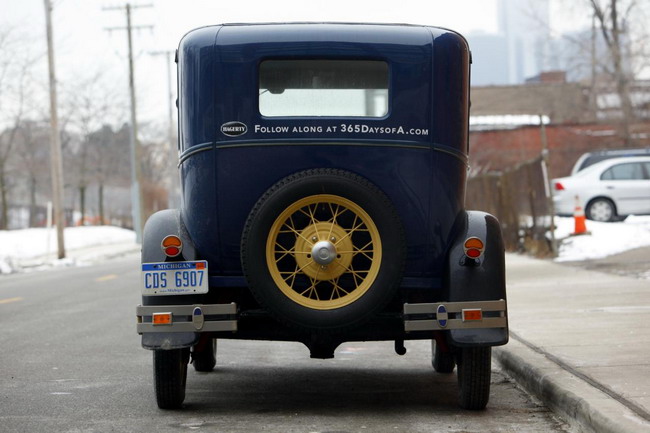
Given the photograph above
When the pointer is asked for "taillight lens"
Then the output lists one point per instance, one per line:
(474, 247)
(559, 186)
(172, 246)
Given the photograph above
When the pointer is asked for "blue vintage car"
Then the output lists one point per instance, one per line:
(323, 172)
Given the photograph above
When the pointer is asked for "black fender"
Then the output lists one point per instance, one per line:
(159, 225)
(483, 279)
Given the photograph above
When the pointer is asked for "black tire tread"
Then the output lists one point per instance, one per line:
(205, 360)
(442, 362)
(170, 375)
(474, 375)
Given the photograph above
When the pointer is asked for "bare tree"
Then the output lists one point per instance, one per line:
(110, 161)
(91, 104)
(613, 18)
(33, 164)
(16, 65)
(610, 55)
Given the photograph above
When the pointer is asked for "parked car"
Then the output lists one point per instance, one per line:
(607, 191)
(323, 171)
(591, 158)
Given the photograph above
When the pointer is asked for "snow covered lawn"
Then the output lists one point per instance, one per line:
(603, 239)
(39, 245)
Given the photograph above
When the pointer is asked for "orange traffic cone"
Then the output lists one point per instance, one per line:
(580, 227)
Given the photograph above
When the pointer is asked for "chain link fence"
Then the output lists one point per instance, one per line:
(520, 199)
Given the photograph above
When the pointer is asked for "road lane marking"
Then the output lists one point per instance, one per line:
(10, 300)
(105, 278)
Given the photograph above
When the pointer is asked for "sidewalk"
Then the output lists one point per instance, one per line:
(580, 341)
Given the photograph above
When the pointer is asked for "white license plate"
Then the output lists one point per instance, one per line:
(175, 278)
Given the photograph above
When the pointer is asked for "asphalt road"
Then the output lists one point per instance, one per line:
(70, 361)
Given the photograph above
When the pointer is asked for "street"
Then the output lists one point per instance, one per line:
(71, 361)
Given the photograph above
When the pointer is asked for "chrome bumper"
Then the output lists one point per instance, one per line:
(187, 318)
(455, 315)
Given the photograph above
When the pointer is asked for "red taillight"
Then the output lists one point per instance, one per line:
(172, 246)
(559, 186)
(473, 248)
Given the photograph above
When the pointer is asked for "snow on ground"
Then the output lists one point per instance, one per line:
(602, 239)
(38, 246)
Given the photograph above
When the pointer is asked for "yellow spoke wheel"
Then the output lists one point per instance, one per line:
(323, 252)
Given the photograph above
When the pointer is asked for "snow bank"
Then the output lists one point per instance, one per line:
(18, 246)
(604, 239)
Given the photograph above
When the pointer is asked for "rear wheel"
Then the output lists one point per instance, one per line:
(170, 376)
(205, 358)
(442, 362)
(601, 209)
(474, 374)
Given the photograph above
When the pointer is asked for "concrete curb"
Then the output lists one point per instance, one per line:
(579, 403)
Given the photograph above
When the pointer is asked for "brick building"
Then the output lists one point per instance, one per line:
(505, 127)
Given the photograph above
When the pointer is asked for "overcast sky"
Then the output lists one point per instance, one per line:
(84, 48)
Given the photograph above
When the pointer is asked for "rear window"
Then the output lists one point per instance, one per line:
(348, 88)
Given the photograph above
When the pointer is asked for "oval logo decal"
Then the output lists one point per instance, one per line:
(442, 316)
(233, 129)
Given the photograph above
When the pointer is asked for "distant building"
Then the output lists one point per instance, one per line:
(519, 50)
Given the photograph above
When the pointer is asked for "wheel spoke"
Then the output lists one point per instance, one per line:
(311, 290)
(333, 219)
(294, 231)
(296, 272)
(363, 250)
(355, 227)
(355, 273)
(282, 250)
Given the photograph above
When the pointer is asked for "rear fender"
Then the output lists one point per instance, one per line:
(160, 225)
(476, 280)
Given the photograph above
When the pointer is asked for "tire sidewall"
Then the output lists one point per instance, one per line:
(316, 182)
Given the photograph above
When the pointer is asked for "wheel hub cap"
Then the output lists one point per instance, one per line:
(323, 252)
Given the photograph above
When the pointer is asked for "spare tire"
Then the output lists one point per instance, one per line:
(323, 249)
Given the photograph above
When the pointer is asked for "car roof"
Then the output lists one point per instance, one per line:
(615, 161)
(302, 32)
(590, 158)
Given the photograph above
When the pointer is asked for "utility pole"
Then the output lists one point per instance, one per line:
(547, 184)
(136, 184)
(174, 182)
(55, 140)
